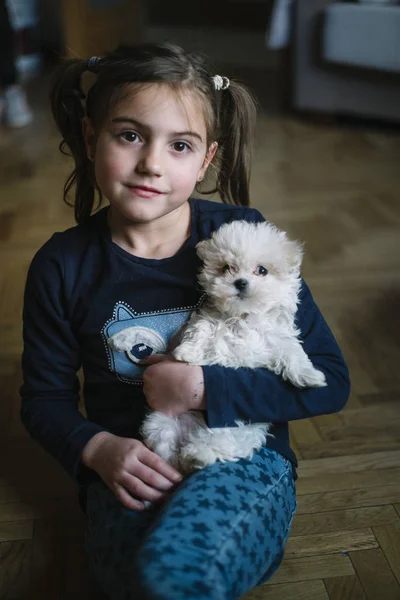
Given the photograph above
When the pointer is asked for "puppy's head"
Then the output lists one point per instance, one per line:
(250, 268)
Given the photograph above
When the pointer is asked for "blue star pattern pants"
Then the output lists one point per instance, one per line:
(222, 533)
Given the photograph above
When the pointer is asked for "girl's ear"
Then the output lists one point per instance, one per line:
(89, 137)
(209, 156)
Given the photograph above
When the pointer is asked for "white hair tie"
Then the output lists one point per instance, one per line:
(221, 83)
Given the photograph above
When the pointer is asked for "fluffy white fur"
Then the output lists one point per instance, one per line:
(251, 275)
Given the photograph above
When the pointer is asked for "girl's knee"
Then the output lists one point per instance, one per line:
(168, 571)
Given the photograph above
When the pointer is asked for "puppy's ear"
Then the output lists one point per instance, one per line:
(293, 255)
(201, 249)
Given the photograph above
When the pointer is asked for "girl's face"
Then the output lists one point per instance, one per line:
(150, 152)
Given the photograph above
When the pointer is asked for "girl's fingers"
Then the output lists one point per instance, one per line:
(156, 358)
(153, 478)
(155, 462)
(139, 488)
(126, 499)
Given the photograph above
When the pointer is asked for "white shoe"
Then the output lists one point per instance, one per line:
(16, 112)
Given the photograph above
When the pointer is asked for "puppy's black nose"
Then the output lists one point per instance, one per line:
(241, 284)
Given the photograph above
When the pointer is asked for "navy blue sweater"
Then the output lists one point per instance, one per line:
(82, 288)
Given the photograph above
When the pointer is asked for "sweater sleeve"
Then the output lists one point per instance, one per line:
(258, 395)
(50, 361)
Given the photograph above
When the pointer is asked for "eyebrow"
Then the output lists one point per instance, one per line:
(143, 126)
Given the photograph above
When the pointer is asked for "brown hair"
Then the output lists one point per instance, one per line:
(229, 114)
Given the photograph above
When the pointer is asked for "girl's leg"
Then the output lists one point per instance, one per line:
(112, 538)
(222, 533)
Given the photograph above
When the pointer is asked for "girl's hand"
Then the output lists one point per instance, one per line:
(126, 465)
(173, 387)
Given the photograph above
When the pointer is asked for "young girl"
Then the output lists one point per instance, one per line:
(151, 124)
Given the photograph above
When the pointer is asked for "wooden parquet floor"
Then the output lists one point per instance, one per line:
(336, 188)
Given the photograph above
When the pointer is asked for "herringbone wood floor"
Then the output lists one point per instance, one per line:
(337, 189)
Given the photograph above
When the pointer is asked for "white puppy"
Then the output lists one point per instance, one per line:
(251, 275)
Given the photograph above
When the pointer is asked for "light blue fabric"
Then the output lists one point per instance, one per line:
(222, 533)
(363, 35)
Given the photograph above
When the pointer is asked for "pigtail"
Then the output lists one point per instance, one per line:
(237, 118)
(66, 98)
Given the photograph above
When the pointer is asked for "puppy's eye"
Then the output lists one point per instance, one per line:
(261, 270)
(226, 269)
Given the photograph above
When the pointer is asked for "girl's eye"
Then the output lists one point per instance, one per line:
(261, 270)
(129, 136)
(226, 269)
(181, 147)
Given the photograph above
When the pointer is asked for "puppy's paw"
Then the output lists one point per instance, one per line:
(180, 354)
(192, 458)
(161, 435)
(313, 378)
(188, 354)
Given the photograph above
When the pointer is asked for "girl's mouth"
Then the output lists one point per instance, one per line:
(144, 191)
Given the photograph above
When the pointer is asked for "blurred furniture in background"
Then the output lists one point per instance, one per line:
(346, 58)
(90, 27)
(24, 19)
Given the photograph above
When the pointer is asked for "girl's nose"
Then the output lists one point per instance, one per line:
(150, 162)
